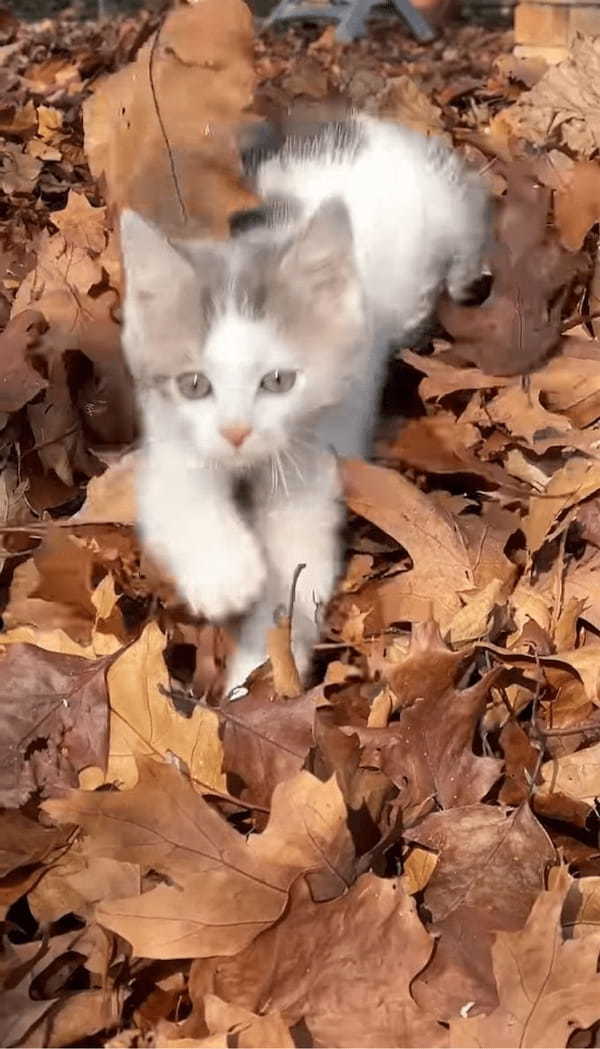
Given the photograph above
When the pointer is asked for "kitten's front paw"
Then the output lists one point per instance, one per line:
(227, 581)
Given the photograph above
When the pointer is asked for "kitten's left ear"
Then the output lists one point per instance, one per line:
(151, 262)
(321, 256)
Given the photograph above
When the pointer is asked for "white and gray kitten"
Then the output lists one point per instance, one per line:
(261, 358)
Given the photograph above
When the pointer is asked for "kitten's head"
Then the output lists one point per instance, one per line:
(246, 341)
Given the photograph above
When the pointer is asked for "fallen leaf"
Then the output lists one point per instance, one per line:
(520, 323)
(572, 483)
(305, 967)
(20, 381)
(60, 724)
(223, 890)
(110, 498)
(491, 866)
(547, 986)
(247, 1028)
(267, 741)
(145, 721)
(404, 101)
(82, 225)
(565, 100)
(574, 777)
(441, 565)
(202, 72)
(577, 204)
(428, 754)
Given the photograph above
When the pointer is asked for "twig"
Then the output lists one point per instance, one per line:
(161, 124)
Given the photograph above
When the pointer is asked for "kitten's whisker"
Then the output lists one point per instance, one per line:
(288, 455)
(282, 475)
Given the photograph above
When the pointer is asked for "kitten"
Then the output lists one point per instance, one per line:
(260, 359)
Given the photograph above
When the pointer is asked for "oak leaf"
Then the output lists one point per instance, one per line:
(60, 724)
(441, 566)
(547, 985)
(317, 964)
(222, 891)
(491, 865)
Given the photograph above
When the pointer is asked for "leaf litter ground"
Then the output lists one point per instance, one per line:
(407, 853)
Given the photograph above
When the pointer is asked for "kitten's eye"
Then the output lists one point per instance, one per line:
(278, 381)
(193, 385)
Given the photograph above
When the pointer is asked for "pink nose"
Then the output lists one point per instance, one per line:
(236, 435)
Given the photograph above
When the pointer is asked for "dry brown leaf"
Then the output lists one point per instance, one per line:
(491, 865)
(428, 754)
(521, 758)
(223, 890)
(54, 590)
(48, 1016)
(566, 102)
(60, 724)
(110, 498)
(574, 777)
(266, 741)
(444, 378)
(441, 564)
(570, 382)
(286, 679)
(202, 73)
(25, 842)
(145, 721)
(577, 204)
(19, 171)
(20, 381)
(249, 1030)
(547, 986)
(581, 912)
(76, 884)
(570, 485)
(417, 869)
(429, 668)
(82, 225)
(520, 323)
(404, 101)
(319, 958)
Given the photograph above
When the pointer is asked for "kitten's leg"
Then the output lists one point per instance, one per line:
(470, 242)
(299, 528)
(190, 523)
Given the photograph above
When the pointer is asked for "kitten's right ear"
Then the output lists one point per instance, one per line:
(151, 262)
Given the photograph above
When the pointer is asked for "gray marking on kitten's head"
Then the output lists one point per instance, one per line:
(275, 211)
(301, 281)
(283, 300)
(332, 140)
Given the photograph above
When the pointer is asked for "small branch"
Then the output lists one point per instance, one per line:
(161, 124)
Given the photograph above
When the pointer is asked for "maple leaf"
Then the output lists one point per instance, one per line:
(547, 986)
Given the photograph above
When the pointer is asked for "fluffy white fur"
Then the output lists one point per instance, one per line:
(371, 236)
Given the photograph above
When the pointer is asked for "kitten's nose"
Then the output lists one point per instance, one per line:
(236, 435)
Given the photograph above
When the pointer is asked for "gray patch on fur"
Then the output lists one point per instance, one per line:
(333, 141)
(253, 281)
(276, 211)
